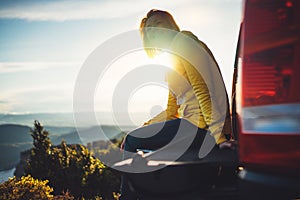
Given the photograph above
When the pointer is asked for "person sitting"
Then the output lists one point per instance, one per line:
(197, 100)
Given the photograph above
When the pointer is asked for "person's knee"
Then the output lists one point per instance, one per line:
(128, 143)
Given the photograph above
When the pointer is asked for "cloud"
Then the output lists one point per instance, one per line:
(14, 67)
(55, 10)
(48, 86)
(3, 102)
(75, 10)
(51, 98)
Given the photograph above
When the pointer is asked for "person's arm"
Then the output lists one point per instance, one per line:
(189, 47)
(170, 113)
(202, 94)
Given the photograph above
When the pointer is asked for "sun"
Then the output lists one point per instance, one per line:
(145, 96)
(164, 59)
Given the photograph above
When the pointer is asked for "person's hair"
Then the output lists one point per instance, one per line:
(150, 50)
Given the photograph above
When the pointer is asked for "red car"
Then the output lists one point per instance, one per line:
(266, 106)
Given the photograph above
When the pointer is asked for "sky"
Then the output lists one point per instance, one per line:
(44, 43)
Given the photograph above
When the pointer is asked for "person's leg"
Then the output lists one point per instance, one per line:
(126, 190)
(155, 136)
(151, 137)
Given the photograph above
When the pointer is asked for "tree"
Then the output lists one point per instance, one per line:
(40, 158)
(70, 168)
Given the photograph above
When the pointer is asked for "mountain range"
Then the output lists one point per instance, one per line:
(16, 138)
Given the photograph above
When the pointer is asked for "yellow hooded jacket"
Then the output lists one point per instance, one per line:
(190, 99)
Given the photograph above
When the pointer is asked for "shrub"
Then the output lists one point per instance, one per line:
(70, 168)
(64, 196)
(25, 188)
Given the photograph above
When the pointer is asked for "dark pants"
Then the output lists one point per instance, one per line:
(156, 136)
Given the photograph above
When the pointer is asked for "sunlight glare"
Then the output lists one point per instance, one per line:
(146, 100)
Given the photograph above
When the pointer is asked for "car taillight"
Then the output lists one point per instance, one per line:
(270, 77)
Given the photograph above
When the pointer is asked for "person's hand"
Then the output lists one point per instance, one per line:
(231, 144)
(122, 145)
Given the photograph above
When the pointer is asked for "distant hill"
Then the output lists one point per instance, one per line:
(16, 138)
(13, 140)
(11, 133)
(97, 133)
(50, 119)
(69, 138)
(20, 134)
(67, 119)
(59, 130)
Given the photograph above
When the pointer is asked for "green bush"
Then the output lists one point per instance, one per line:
(64, 196)
(70, 168)
(28, 188)
(25, 188)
